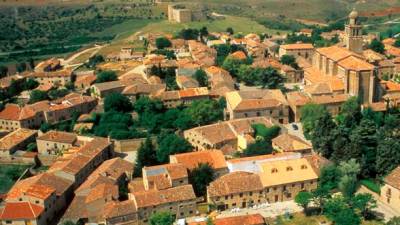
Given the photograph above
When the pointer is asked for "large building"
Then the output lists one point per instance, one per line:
(270, 103)
(390, 191)
(263, 179)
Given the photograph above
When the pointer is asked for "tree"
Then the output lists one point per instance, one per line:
(204, 112)
(37, 96)
(94, 60)
(364, 203)
(310, 114)
(162, 218)
(58, 93)
(303, 199)
(322, 138)
(289, 60)
(201, 77)
(146, 156)
(329, 177)
(21, 67)
(31, 147)
(270, 78)
(163, 42)
(397, 42)
(203, 32)
(260, 147)
(44, 127)
(30, 84)
(3, 71)
(200, 177)
(189, 34)
(106, 76)
(169, 144)
(350, 114)
(377, 46)
(230, 31)
(117, 102)
(348, 182)
(363, 146)
(338, 211)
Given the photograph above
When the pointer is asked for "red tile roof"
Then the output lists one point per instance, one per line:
(20, 210)
(255, 219)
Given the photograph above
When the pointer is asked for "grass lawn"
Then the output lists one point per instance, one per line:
(239, 24)
(9, 174)
(125, 29)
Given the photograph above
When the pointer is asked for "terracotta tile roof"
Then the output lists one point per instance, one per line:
(85, 80)
(58, 136)
(313, 76)
(329, 99)
(254, 219)
(11, 112)
(161, 176)
(372, 56)
(278, 155)
(238, 55)
(355, 63)
(118, 209)
(109, 85)
(160, 197)
(20, 211)
(290, 143)
(102, 191)
(336, 53)
(234, 183)
(394, 51)
(318, 88)
(300, 46)
(391, 86)
(52, 74)
(297, 98)
(40, 191)
(15, 138)
(393, 179)
(286, 172)
(389, 41)
(193, 92)
(228, 130)
(251, 100)
(192, 159)
(147, 89)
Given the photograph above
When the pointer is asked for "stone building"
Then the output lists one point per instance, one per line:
(390, 191)
(297, 50)
(55, 142)
(260, 180)
(269, 103)
(16, 140)
(181, 13)
(228, 136)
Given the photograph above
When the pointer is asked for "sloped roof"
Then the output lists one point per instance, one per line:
(20, 211)
(393, 179)
(233, 183)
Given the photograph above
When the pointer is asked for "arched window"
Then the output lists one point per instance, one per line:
(303, 167)
(289, 168)
(274, 170)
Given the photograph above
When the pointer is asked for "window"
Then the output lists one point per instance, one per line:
(302, 185)
(289, 168)
(8, 222)
(274, 170)
(241, 194)
(303, 167)
(251, 193)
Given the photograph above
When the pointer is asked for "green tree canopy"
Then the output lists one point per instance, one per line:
(146, 156)
(303, 199)
(163, 42)
(289, 60)
(201, 77)
(200, 177)
(310, 114)
(377, 46)
(37, 96)
(205, 111)
(106, 76)
(363, 203)
(3, 71)
(169, 144)
(117, 102)
(161, 218)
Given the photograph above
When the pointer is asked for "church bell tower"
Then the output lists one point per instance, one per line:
(353, 37)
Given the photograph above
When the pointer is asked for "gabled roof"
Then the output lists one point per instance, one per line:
(300, 46)
(393, 179)
(356, 64)
(58, 136)
(335, 53)
(290, 143)
(233, 183)
(20, 211)
(191, 160)
(158, 197)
